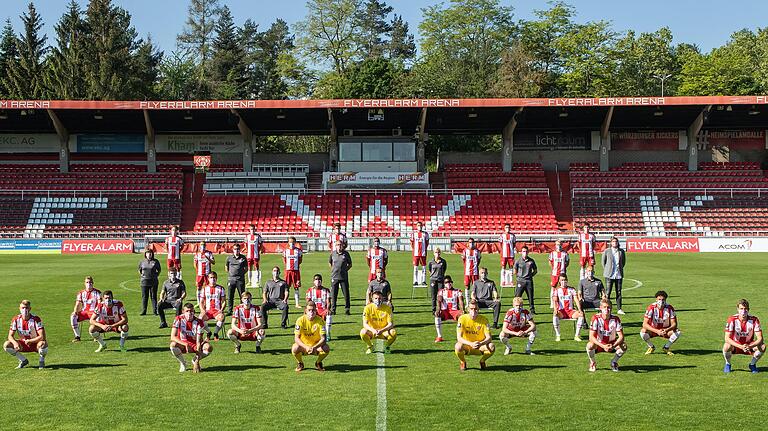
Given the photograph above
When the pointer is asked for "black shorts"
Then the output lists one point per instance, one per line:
(589, 304)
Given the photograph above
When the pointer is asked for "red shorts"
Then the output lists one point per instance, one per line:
(26, 347)
(253, 263)
(584, 261)
(469, 279)
(507, 262)
(84, 315)
(293, 278)
(249, 337)
(567, 313)
(450, 314)
(738, 351)
(599, 349)
(174, 263)
(554, 280)
(191, 346)
(114, 328)
(372, 275)
(653, 334)
(210, 314)
(200, 281)
(419, 260)
(516, 329)
(321, 312)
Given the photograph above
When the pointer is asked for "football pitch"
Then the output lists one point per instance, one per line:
(418, 386)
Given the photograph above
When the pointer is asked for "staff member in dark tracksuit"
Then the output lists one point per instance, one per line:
(149, 269)
(340, 262)
(237, 266)
(171, 295)
(436, 268)
(525, 269)
(485, 293)
(275, 295)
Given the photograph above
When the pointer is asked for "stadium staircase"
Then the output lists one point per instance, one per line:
(192, 196)
(560, 195)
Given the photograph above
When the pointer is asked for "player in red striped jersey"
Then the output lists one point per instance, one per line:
(321, 297)
(212, 300)
(174, 244)
(31, 335)
(85, 302)
(567, 306)
(204, 262)
(471, 258)
(187, 337)
(507, 243)
(336, 235)
(109, 316)
(518, 323)
(660, 320)
(743, 336)
(247, 323)
(586, 250)
(606, 335)
(558, 261)
(377, 258)
(450, 303)
(254, 247)
(292, 257)
(419, 244)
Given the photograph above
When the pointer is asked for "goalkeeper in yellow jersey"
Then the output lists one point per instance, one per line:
(473, 337)
(377, 323)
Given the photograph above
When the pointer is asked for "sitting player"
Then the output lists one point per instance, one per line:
(568, 307)
(109, 316)
(606, 335)
(660, 320)
(85, 302)
(743, 336)
(187, 337)
(473, 337)
(450, 302)
(321, 297)
(309, 338)
(377, 323)
(518, 323)
(212, 300)
(246, 323)
(31, 336)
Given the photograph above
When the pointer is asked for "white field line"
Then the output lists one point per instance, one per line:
(381, 388)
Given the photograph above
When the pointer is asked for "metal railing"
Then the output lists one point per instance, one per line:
(705, 191)
(88, 193)
(353, 192)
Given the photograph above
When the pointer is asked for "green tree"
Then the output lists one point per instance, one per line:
(372, 78)
(275, 45)
(401, 46)
(373, 27)
(176, 77)
(197, 39)
(146, 66)
(516, 76)
(731, 69)
(9, 56)
(227, 69)
(65, 77)
(26, 75)
(329, 32)
(588, 67)
(640, 59)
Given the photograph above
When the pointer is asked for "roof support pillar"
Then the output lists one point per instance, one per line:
(421, 145)
(151, 151)
(333, 148)
(247, 134)
(63, 140)
(693, 130)
(507, 138)
(605, 141)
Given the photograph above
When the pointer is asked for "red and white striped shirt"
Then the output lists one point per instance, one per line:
(253, 246)
(565, 298)
(333, 237)
(450, 299)
(507, 241)
(376, 258)
(291, 258)
(174, 245)
(26, 328)
(109, 315)
(188, 330)
(471, 258)
(607, 329)
(742, 332)
(517, 321)
(587, 245)
(321, 298)
(419, 243)
(246, 317)
(89, 299)
(559, 261)
(203, 262)
(211, 297)
(660, 317)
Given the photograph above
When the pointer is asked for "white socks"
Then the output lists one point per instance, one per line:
(11, 351)
(756, 357)
(123, 336)
(727, 356)
(99, 338)
(219, 324)
(617, 356)
(328, 321)
(176, 352)
(466, 296)
(75, 326)
(415, 275)
(439, 327)
(260, 339)
(556, 325)
(506, 342)
(531, 339)
(672, 338)
(591, 354)
(581, 274)
(579, 322)
(232, 336)
(296, 296)
(647, 338)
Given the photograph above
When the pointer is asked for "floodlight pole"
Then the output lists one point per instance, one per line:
(662, 78)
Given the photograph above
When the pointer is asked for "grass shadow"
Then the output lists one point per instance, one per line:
(698, 352)
(350, 368)
(409, 352)
(520, 368)
(240, 367)
(653, 368)
(145, 337)
(149, 349)
(81, 366)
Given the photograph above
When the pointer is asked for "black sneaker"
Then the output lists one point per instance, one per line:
(283, 326)
(346, 311)
(143, 313)
(258, 349)
(163, 325)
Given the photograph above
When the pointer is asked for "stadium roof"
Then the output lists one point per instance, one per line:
(381, 116)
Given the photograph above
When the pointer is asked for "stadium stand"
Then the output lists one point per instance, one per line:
(90, 181)
(491, 175)
(266, 177)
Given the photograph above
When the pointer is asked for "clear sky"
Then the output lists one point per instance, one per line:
(706, 23)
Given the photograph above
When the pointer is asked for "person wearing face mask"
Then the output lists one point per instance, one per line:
(171, 295)
(246, 323)
(340, 263)
(450, 303)
(507, 242)
(660, 320)
(377, 258)
(85, 303)
(149, 269)
(237, 266)
(254, 247)
(321, 297)
(109, 316)
(377, 323)
(558, 261)
(204, 262)
(275, 296)
(605, 335)
(586, 249)
(473, 337)
(187, 337)
(174, 244)
(382, 286)
(419, 244)
(436, 268)
(518, 323)
(292, 258)
(31, 336)
(212, 300)
(743, 336)
(471, 258)
(485, 293)
(614, 259)
(336, 236)
(309, 338)
(567, 307)
(525, 269)
(591, 290)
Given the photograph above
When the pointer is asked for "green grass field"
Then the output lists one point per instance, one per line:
(424, 388)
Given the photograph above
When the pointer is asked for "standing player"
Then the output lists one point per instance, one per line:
(567, 306)
(335, 236)
(254, 246)
(558, 262)
(743, 336)
(419, 244)
(606, 335)
(473, 337)
(85, 303)
(292, 257)
(377, 258)
(174, 244)
(204, 261)
(246, 323)
(586, 250)
(109, 316)
(321, 297)
(525, 269)
(31, 336)
(507, 243)
(450, 304)
(309, 338)
(471, 258)
(187, 337)
(212, 300)
(377, 323)
(518, 323)
(660, 321)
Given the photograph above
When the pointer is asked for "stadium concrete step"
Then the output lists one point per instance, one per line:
(192, 195)
(560, 195)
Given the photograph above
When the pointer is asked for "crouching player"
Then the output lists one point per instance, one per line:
(450, 302)
(473, 337)
(246, 323)
(377, 323)
(109, 316)
(660, 321)
(743, 336)
(309, 338)
(606, 335)
(187, 337)
(567, 307)
(518, 323)
(212, 300)
(31, 336)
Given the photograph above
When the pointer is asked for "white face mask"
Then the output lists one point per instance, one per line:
(605, 312)
(247, 302)
(524, 254)
(472, 313)
(109, 302)
(275, 274)
(189, 315)
(310, 315)
(172, 276)
(588, 274)
(660, 303)
(483, 276)
(24, 312)
(377, 302)
(318, 283)
(517, 308)
(743, 312)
